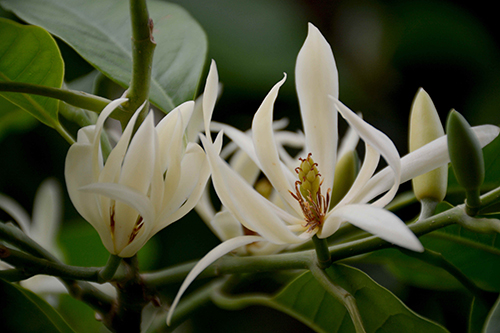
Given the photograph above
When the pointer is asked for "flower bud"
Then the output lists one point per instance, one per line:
(346, 171)
(425, 126)
(466, 156)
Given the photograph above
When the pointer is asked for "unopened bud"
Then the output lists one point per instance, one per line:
(346, 171)
(425, 126)
(466, 157)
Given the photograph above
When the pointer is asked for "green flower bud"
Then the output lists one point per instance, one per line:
(345, 173)
(425, 126)
(466, 157)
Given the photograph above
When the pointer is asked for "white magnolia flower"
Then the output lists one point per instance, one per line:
(307, 211)
(149, 180)
(222, 222)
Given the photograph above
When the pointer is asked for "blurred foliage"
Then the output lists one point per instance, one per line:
(385, 50)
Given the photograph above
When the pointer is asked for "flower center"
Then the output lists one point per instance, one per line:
(314, 205)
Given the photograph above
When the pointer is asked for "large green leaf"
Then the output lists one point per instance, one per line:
(476, 255)
(100, 32)
(23, 311)
(29, 54)
(305, 299)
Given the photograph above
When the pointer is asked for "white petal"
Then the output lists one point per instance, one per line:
(349, 142)
(168, 134)
(211, 256)
(226, 226)
(242, 139)
(377, 221)
(210, 96)
(131, 198)
(193, 179)
(422, 160)
(110, 173)
(266, 148)
(47, 210)
(380, 142)
(248, 206)
(77, 173)
(316, 78)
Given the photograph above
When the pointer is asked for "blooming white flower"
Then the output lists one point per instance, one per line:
(307, 211)
(149, 180)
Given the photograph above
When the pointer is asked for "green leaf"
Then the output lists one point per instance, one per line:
(23, 311)
(306, 300)
(412, 271)
(479, 313)
(476, 255)
(100, 31)
(29, 54)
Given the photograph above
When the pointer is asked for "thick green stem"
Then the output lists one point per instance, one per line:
(229, 265)
(108, 271)
(143, 46)
(473, 202)
(322, 252)
(131, 300)
(427, 208)
(340, 294)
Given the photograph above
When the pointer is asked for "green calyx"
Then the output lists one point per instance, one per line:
(309, 178)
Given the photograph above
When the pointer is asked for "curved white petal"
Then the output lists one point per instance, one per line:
(226, 226)
(210, 96)
(241, 139)
(348, 143)
(316, 78)
(46, 216)
(381, 143)
(77, 173)
(211, 256)
(422, 160)
(129, 197)
(111, 170)
(193, 181)
(379, 222)
(248, 206)
(266, 148)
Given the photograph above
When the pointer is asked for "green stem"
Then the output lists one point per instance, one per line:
(322, 252)
(15, 236)
(231, 264)
(427, 208)
(472, 202)
(143, 46)
(33, 265)
(109, 270)
(131, 300)
(340, 294)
